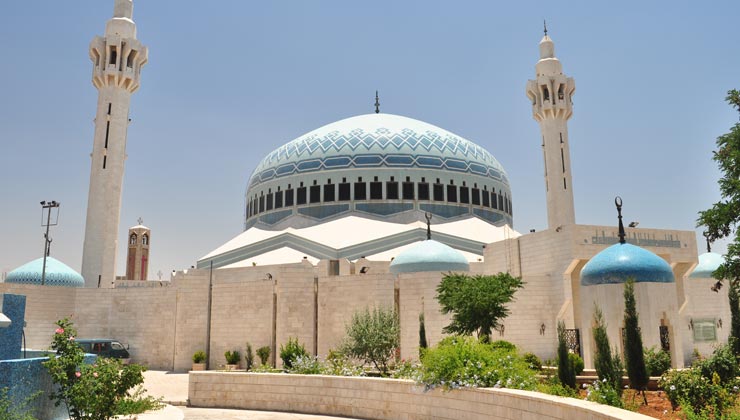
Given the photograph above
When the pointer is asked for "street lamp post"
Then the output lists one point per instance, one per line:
(47, 206)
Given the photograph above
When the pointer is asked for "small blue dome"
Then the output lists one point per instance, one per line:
(57, 274)
(429, 255)
(621, 261)
(708, 262)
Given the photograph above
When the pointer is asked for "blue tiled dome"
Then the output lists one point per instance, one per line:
(621, 261)
(57, 274)
(708, 262)
(429, 255)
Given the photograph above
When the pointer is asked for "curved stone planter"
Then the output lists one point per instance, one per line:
(378, 398)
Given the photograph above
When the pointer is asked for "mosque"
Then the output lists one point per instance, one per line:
(372, 210)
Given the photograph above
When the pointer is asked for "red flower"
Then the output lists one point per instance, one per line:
(59, 331)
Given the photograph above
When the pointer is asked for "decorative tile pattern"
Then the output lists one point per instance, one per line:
(57, 274)
(620, 262)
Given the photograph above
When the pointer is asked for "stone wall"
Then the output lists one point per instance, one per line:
(376, 398)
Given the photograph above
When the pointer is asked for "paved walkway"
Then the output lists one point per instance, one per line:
(173, 388)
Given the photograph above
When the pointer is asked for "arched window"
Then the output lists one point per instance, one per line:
(145, 239)
(132, 239)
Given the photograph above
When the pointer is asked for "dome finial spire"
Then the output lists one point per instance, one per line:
(618, 203)
(377, 103)
(428, 216)
(545, 25)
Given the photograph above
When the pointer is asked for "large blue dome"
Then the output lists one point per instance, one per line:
(708, 263)
(620, 262)
(429, 255)
(57, 274)
(377, 166)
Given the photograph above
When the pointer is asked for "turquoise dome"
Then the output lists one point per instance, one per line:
(621, 261)
(57, 274)
(429, 255)
(708, 262)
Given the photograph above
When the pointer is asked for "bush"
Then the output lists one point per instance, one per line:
(566, 371)
(534, 362)
(373, 337)
(503, 345)
(199, 356)
(657, 362)
(291, 351)
(11, 411)
(722, 362)
(232, 357)
(553, 386)
(576, 363)
(99, 391)
(406, 369)
(688, 388)
(603, 392)
(248, 357)
(337, 364)
(466, 362)
(264, 354)
(305, 365)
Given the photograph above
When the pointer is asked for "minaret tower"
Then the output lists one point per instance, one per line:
(117, 61)
(551, 95)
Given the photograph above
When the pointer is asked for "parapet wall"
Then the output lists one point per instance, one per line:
(376, 398)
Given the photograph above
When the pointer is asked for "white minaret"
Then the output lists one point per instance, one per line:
(117, 61)
(551, 95)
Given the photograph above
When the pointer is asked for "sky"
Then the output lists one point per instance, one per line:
(229, 81)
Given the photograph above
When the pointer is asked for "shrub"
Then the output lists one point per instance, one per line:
(534, 362)
(264, 354)
(406, 369)
(199, 356)
(290, 351)
(503, 345)
(657, 362)
(576, 363)
(305, 365)
(636, 370)
(11, 411)
(688, 388)
(93, 392)
(608, 365)
(373, 336)
(266, 369)
(722, 362)
(466, 362)
(338, 364)
(603, 392)
(248, 357)
(422, 335)
(566, 372)
(553, 386)
(232, 357)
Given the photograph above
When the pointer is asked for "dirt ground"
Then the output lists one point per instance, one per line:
(658, 406)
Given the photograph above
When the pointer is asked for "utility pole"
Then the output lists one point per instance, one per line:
(47, 206)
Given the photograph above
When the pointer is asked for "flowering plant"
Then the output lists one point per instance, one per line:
(98, 391)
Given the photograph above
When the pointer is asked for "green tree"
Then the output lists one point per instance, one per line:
(422, 334)
(608, 366)
(248, 357)
(477, 303)
(636, 370)
(723, 218)
(373, 337)
(98, 391)
(566, 370)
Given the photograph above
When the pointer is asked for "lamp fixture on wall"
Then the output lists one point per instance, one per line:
(542, 329)
(719, 323)
(364, 269)
(716, 287)
(633, 224)
(691, 324)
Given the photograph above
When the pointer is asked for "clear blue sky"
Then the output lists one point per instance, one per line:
(229, 81)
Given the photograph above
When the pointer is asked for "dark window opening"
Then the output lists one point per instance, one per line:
(249, 209)
(565, 187)
(439, 192)
(561, 95)
(109, 107)
(113, 55)
(376, 190)
(105, 158)
(546, 93)
(107, 131)
(465, 195)
(476, 196)
(329, 190)
(500, 201)
(278, 199)
(486, 199)
(268, 205)
(315, 194)
(494, 200)
(262, 204)
(451, 194)
(423, 191)
(391, 190)
(408, 190)
(360, 191)
(301, 196)
(344, 194)
(289, 197)
(562, 158)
